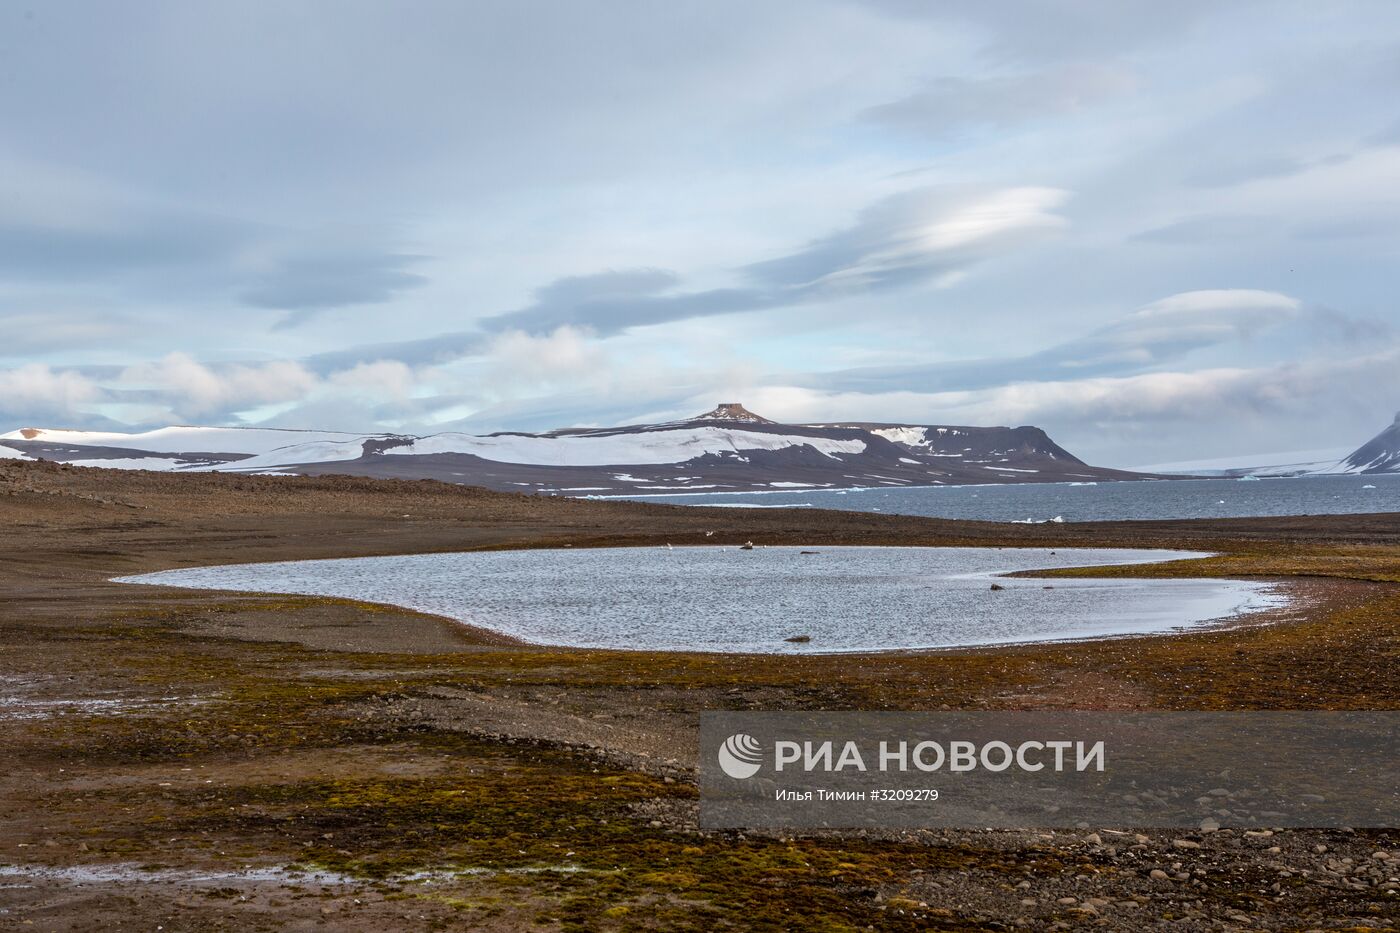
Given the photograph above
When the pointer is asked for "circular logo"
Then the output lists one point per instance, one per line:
(740, 756)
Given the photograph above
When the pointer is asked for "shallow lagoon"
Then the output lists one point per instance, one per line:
(723, 599)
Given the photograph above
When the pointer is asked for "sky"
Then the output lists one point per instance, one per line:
(1160, 231)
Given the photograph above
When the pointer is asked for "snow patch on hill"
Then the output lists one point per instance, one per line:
(909, 437)
(650, 447)
(182, 439)
(315, 452)
(157, 464)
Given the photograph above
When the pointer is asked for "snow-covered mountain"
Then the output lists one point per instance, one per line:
(725, 450)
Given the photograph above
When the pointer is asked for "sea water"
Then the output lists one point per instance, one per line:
(1089, 502)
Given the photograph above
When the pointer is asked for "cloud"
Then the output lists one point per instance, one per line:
(1032, 30)
(1179, 323)
(604, 286)
(1210, 228)
(441, 348)
(145, 253)
(1225, 402)
(1230, 173)
(1157, 333)
(191, 389)
(603, 304)
(1352, 228)
(1332, 327)
(566, 355)
(566, 378)
(1389, 136)
(308, 284)
(904, 239)
(183, 179)
(180, 389)
(37, 395)
(1069, 383)
(31, 332)
(911, 237)
(1169, 329)
(35, 391)
(915, 236)
(381, 379)
(104, 248)
(950, 105)
(613, 301)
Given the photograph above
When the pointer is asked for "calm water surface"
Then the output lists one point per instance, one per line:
(722, 599)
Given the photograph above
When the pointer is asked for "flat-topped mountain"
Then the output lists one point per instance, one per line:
(733, 411)
(728, 449)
